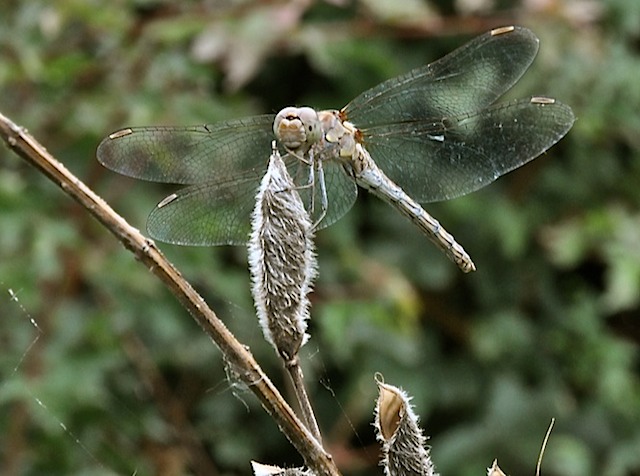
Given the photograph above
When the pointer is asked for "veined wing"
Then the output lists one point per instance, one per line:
(188, 155)
(466, 80)
(435, 160)
(218, 212)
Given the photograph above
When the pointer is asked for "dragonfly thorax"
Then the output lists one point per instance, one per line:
(338, 132)
(297, 127)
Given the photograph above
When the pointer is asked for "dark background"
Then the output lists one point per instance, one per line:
(547, 327)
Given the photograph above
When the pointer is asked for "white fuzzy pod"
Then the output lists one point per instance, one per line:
(268, 470)
(281, 260)
(495, 470)
(404, 449)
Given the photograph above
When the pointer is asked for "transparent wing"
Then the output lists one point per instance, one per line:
(218, 212)
(189, 155)
(443, 159)
(466, 80)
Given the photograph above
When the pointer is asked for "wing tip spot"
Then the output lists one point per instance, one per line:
(121, 133)
(167, 200)
(502, 30)
(542, 100)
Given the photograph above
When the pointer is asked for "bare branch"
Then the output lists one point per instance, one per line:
(147, 252)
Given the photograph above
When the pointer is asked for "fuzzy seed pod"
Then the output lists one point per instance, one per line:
(495, 470)
(404, 450)
(260, 469)
(282, 260)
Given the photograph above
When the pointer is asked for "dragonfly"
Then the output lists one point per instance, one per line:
(432, 134)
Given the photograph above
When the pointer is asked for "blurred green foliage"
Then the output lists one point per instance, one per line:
(547, 327)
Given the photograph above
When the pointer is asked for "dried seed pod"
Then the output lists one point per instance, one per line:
(404, 450)
(260, 469)
(495, 470)
(281, 259)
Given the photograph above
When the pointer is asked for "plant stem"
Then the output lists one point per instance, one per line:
(145, 250)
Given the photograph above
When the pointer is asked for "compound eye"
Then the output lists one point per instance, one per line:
(297, 127)
(288, 113)
(311, 123)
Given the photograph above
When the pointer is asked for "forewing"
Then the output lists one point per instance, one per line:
(189, 155)
(466, 80)
(441, 160)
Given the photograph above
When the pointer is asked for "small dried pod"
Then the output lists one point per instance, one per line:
(282, 260)
(404, 449)
(260, 469)
(495, 470)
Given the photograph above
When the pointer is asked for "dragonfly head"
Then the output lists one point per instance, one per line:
(297, 127)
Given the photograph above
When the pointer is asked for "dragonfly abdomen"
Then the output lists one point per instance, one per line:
(369, 176)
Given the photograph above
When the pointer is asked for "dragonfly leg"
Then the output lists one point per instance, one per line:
(311, 180)
(324, 203)
(309, 162)
(301, 158)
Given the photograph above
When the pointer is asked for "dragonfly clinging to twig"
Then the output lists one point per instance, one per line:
(431, 134)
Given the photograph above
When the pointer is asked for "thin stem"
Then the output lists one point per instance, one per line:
(148, 253)
(544, 446)
(297, 379)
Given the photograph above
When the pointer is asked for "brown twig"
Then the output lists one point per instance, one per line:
(146, 251)
(306, 410)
